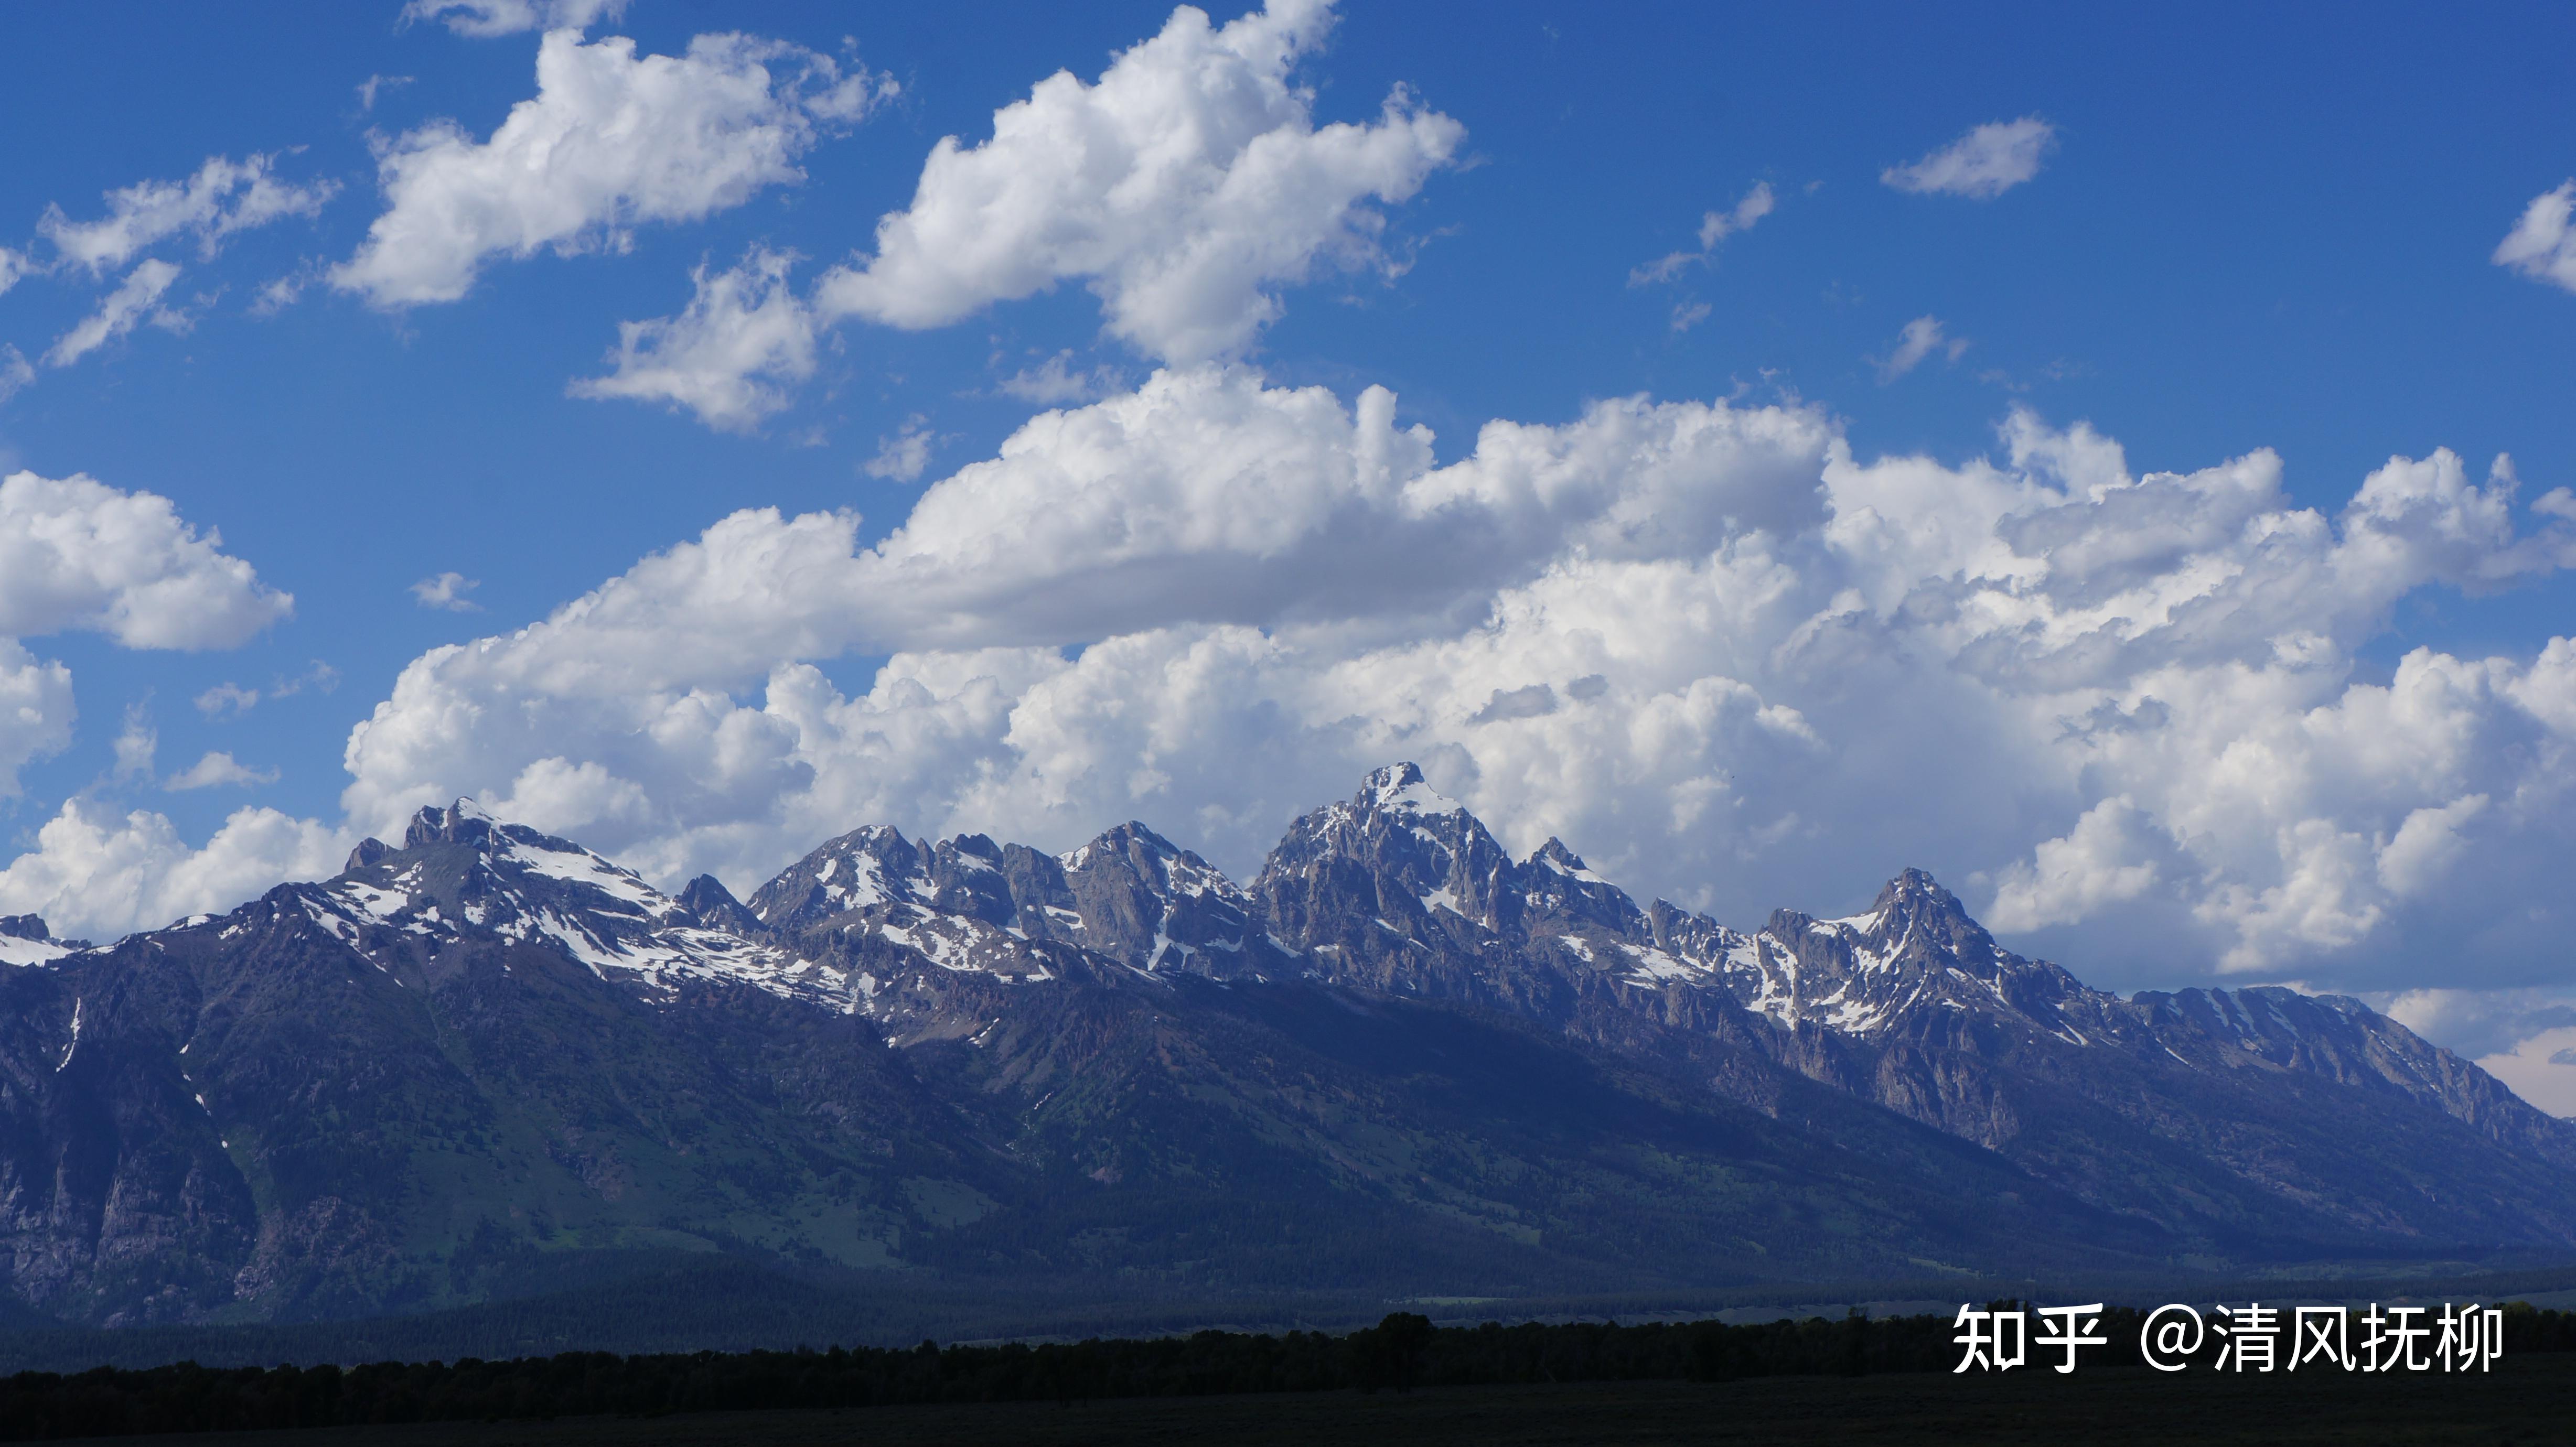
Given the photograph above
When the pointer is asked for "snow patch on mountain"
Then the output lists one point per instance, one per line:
(16, 951)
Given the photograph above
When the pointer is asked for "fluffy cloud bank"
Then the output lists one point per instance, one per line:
(76, 554)
(1184, 187)
(2130, 716)
(96, 873)
(1181, 186)
(611, 140)
(1701, 641)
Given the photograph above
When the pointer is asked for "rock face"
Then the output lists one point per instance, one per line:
(1399, 1060)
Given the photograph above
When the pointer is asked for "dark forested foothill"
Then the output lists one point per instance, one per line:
(1402, 1352)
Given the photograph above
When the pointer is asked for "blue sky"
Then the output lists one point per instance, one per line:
(2156, 730)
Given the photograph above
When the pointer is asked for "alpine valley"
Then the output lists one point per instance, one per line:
(1398, 1064)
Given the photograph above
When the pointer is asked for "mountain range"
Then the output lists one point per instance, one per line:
(1398, 1062)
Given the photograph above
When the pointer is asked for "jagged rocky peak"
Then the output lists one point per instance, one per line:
(1401, 788)
(1915, 895)
(1144, 852)
(1554, 855)
(966, 878)
(463, 822)
(1154, 863)
(24, 927)
(1146, 900)
(866, 867)
(1913, 915)
(1382, 867)
(1424, 843)
(465, 879)
(1556, 884)
(1914, 955)
(712, 905)
(462, 865)
(1913, 907)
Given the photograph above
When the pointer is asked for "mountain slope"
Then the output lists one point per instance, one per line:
(1397, 1061)
(2259, 1120)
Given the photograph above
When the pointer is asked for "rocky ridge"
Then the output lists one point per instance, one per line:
(896, 1049)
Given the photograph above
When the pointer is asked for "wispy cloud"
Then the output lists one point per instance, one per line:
(376, 85)
(231, 698)
(215, 770)
(447, 591)
(1714, 227)
(1922, 337)
(484, 19)
(1981, 165)
(136, 743)
(904, 456)
(1055, 382)
(223, 197)
(130, 303)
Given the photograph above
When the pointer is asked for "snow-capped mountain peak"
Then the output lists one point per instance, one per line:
(1400, 788)
(464, 875)
(859, 870)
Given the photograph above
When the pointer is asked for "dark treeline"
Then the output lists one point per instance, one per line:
(644, 1304)
(1402, 1352)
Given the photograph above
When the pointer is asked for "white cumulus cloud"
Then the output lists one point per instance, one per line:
(732, 357)
(2133, 717)
(97, 874)
(78, 554)
(2541, 246)
(612, 140)
(1183, 187)
(1669, 632)
(1981, 165)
